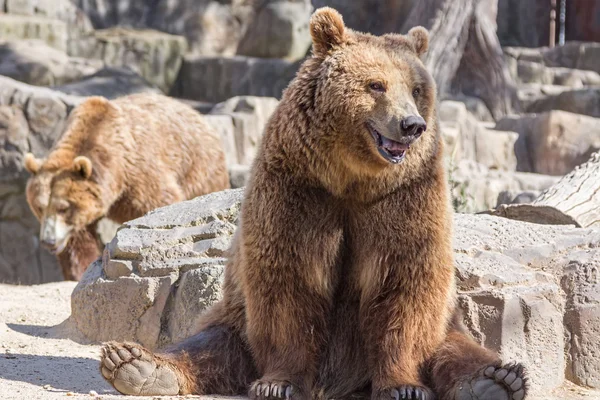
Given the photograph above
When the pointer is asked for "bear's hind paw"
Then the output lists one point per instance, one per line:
(133, 370)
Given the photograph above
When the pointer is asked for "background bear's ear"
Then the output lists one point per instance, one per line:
(32, 164)
(83, 165)
(420, 39)
(327, 30)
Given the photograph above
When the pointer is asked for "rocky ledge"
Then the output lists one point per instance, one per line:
(529, 291)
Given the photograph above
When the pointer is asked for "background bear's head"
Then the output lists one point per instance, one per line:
(64, 197)
(375, 91)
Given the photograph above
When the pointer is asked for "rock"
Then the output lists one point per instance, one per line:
(216, 79)
(552, 143)
(573, 55)
(156, 56)
(51, 31)
(508, 197)
(31, 119)
(574, 199)
(529, 93)
(579, 101)
(224, 126)
(36, 63)
(249, 116)
(475, 106)
(110, 82)
(278, 30)
(375, 16)
(476, 188)
(170, 265)
(523, 287)
(523, 23)
(238, 175)
(211, 27)
(533, 72)
(467, 139)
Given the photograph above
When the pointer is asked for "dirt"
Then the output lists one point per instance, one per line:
(42, 356)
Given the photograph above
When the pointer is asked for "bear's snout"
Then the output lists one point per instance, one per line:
(413, 126)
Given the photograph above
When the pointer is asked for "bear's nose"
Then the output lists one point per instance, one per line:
(413, 125)
(48, 243)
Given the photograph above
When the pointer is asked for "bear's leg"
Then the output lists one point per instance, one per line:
(461, 369)
(81, 250)
(215, 361)
(290, 254)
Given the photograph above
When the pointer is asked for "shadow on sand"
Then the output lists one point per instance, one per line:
(62, 374)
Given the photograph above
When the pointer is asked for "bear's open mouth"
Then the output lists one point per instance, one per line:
(389, 149)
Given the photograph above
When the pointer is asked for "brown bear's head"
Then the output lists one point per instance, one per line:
(64, 198)
(38, 185)
(375, 91)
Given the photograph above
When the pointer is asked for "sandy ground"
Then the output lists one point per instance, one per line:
(43, 357)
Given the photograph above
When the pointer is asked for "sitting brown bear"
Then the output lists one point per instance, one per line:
(341, 278)
(120, 159)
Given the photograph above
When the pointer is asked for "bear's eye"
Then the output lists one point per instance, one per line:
(377, 86)
(416, 92)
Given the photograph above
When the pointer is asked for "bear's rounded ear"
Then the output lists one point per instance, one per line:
(83, 165)
(327, 30)
(32, 164)
(420, 39)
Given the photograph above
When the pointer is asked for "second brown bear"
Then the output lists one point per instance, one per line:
(120, 159)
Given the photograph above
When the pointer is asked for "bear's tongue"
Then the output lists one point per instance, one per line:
(393, 147)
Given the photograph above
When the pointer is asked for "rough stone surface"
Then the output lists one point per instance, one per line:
(216, 79)
(170, 263)
(552, 143)
(527, 290)
(156, 56)
(36, 63)
(468, 139)
(110, 82)
(476, 188)
(580, 101)
(211, 27)
(278, 30)
(573, 55)
(533, 72)
(52, 31)
(249, 116)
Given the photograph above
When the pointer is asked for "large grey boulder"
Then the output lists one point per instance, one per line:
(584, 101)
(154, 55)
(476, 188)
(216, 79)
(554, 142)
(36, 63)
(526, 289)
(279, 29)
(212, 27)
(110, 82)
(467, 138)
(249, 116)
(38, 19)
(165, 268)
(53, 32)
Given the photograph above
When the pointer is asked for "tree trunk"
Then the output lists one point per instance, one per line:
(464, 51)
(574, 200)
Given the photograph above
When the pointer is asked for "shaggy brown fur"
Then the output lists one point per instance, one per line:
(120, 159)
(341, 274)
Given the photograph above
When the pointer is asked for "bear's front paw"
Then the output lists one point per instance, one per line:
(404, 392)
(272, 390)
